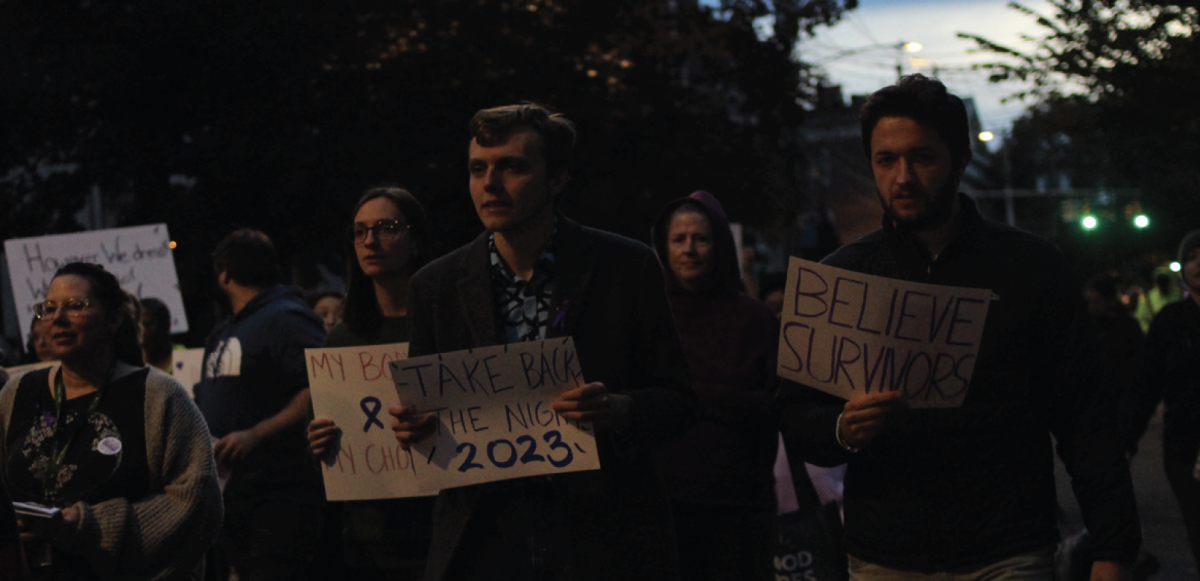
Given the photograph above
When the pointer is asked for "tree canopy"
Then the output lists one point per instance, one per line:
(276, 114)
(1112, 86)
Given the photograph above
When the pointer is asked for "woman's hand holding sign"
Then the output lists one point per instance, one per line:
(866, 415)
(411, 426)
(322, 432)
(593, 403)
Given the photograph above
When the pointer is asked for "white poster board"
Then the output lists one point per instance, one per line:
(139, 256)
(845, 333)
(186, 365)
(353, 387)
(495, 420)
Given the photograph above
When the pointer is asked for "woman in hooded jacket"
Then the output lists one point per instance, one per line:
(720, 473)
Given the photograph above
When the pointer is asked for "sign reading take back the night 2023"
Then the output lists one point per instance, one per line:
(494, 414)
(847, 333)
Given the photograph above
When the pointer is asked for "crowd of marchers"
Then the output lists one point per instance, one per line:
(143, 481)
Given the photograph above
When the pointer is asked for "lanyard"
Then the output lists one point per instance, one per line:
(62, 442)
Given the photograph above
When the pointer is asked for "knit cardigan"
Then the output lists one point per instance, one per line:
(165, 534)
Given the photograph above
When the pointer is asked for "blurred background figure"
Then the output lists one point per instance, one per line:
(770, 291)
(156, 334)
(133, 306)
(37, 349)
(1170, 372)
(118, 447)
(1164, 292)
(388, 242)
(720, 473)
(328, 306)
(1119, 339)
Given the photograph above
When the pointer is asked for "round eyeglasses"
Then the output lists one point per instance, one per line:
(384, 231)
(71, 307)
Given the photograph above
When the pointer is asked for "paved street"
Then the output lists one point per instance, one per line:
(1162, 526)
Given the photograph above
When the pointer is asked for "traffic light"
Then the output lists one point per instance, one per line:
(1134, 213)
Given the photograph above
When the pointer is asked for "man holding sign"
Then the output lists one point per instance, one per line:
(964, 490)
(534, 275)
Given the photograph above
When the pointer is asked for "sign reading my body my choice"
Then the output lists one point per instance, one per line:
(495, 419)
(846, 333)
(140, 257)
(353, 387)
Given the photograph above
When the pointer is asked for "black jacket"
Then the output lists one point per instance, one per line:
(950, 488)
(609, 296)
(1170, 372)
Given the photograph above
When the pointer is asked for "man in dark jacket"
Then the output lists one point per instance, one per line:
(968, 491)
(254, 395)
(533, 275)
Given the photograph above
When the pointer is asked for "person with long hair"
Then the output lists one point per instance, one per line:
(119, 448)
(390, 241)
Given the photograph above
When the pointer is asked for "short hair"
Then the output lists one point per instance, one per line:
(491, 126)
(113, 299)
(925, 101)
(249, 258)
(157, 311)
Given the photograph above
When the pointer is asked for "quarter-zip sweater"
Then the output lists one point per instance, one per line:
(949, 488)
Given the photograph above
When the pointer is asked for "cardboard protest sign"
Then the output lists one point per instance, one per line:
(845, 333)
(353, 387)
(186, 365)
(140, 257)
(495, 420)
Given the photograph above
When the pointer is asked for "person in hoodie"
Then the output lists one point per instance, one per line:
(719, 475)
(253, 392)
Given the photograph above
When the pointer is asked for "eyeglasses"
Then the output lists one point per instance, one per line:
(72, 307)
(384, 231)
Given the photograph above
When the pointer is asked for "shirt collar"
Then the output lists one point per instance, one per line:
(543, 267)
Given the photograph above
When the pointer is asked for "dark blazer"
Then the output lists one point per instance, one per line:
(609, 295)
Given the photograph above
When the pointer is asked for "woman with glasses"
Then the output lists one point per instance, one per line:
(119, 448)
(390, 242)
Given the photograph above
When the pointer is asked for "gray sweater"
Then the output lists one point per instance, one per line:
(165, 534)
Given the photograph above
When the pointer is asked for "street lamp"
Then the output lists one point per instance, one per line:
(1010, 212)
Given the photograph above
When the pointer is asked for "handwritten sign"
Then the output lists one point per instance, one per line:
(353, 387)
(495, 420)
(846, 333)
(140, 257)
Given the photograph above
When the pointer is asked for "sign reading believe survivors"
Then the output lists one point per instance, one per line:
(845, 333)
(353, 387)
(494, 414)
